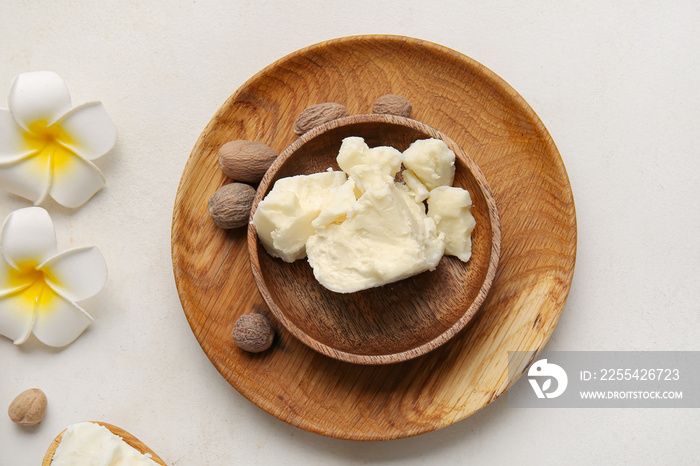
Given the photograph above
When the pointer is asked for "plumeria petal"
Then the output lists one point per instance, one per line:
(17, 315)
(10, 281)
(38, 97)
(29, 178)
(77, 274)
(14, 145)
(89, 129)
(75, 181)
(27, 237)
(58, 320)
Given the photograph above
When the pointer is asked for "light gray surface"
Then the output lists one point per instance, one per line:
(616, 84)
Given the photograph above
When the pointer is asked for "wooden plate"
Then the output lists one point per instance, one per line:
(496, 127)
(126, 436)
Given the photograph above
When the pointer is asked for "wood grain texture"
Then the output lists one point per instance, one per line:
(392, 323)
(126, 436)
(496, 127)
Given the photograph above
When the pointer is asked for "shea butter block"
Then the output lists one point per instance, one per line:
(284, 218)
(87, 443)
(385, 238)
(354, 151)
(360, 228)
(431, 161)
(449, 209)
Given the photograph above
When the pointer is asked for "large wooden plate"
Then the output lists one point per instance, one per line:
(487, 118)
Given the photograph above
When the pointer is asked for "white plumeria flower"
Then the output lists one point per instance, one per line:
(47, 148)
(38, 287)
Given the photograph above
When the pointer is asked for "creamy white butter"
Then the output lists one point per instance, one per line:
(284, 218)
(353, 151)
(449, 208)
(385, 238)
(368, 230)
(431, 161)
(87, 443)
(335, 211)
(420, 192)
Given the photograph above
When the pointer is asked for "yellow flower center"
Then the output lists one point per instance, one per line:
(37, 292)
(48, 143)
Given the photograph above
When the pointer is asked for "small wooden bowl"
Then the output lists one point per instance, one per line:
(126, 436)
(394, 322)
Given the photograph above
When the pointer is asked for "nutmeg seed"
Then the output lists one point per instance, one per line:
(28, 408)
(393, 104)
(318, 114)
(230, 205)
(246, 161)
(252, 332)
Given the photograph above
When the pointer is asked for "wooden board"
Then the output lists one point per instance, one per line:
(126, 436)
(487, 118)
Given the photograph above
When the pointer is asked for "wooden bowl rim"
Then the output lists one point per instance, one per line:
(428, 346)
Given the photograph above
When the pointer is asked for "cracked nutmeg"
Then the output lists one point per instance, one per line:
(252, 332)
(392, 104)
(246, 161)
(318, 114)
(229, 207)
(28, 408)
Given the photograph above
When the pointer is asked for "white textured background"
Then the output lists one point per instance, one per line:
(616, 84)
